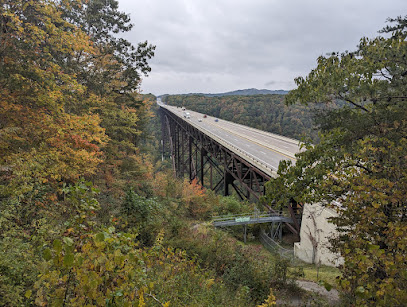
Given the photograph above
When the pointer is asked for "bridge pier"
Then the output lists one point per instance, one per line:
(203, 155)
(228, 180)
(190, 158)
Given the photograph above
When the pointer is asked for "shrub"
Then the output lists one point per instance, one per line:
(145, 214)
(238, 265)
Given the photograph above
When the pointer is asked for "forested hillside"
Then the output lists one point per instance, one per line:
(87, 218)
(264, 112)
(245, 92)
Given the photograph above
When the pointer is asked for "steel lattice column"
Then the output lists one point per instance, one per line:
(189, 145)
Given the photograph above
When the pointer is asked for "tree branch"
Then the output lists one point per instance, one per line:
(150, 295)
(67, 287)
(358, 164)
(154, 298)
(395, 97)
(387, 77)
(354, 103)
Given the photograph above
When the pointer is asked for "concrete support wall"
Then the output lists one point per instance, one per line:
(314, 236)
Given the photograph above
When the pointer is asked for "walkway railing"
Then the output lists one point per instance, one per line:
(275, 247)
(245, 219)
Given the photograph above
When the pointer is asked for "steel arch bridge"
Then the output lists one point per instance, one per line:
(214, 162)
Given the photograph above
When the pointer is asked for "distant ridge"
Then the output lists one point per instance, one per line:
(246, 92)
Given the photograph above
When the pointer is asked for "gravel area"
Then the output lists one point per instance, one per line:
(332, 296)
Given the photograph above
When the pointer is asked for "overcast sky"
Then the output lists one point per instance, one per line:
(214, 46)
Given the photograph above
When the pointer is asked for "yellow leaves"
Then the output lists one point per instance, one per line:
(270, 301)
(101, 273)
(69, 230)
(380, 293)
(159, 239)
(141, 302)
(28, 293)
(46, 148)
(209, 283)
(119, 258)
(376, 205)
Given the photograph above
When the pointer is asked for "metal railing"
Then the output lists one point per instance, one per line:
(260, 164)
(275, 247)
(253, 216)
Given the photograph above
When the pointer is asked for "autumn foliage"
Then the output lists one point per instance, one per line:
(79, 223)
(40, 141)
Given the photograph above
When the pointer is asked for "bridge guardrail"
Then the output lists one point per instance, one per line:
(275, 148)
(239, 219)
(250, 158)
(222, 218)
(280, 137)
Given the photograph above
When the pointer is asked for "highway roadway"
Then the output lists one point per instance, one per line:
(263, 149)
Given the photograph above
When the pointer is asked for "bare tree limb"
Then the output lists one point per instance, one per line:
(354, 103)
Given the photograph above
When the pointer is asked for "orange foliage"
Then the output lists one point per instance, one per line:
(194, 197)
(163, 185)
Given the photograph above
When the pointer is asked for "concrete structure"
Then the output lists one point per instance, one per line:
(314, 236)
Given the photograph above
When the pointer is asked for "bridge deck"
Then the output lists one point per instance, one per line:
(262, 149)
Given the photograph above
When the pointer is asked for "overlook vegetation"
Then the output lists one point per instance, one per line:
(87, 216)
(360, 162)
(90, 217)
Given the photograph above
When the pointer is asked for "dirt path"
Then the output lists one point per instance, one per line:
(332, 296)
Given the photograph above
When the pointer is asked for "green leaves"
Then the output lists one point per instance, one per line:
(68, 241)
(360, 163)
(57, 245)
(46, 254)
(68, 260)
(100, 237)
(326, 285)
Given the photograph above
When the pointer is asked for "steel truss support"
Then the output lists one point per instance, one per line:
(214, 166)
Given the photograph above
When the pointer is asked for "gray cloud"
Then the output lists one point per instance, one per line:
(216, 46)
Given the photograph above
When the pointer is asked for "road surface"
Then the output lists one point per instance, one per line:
(263, 148)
